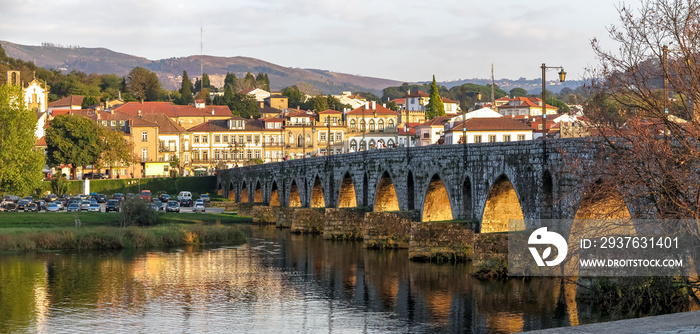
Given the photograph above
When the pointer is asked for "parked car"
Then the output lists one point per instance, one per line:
(10, 198)
(205, 198)
(112, 205)
(10, 207)
(173, 206)
(145, 195)
(31, 207)
(164, 198)
(184, 195)
(100, 198)
(41, 205)
(52, 207)
(186, 202)
(154, 206)
(198, 206)
(73, 207)
(50, 197)
(94, 207)
(84, 205)
(21, 204)
(117, 196)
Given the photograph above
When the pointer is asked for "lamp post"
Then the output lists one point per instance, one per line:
(562, 77)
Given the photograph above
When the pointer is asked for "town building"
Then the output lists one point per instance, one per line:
(371, 126)
(487, 130)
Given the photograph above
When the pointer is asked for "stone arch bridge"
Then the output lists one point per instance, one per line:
(487, 183)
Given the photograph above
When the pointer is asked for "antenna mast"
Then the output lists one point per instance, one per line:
(201, 50)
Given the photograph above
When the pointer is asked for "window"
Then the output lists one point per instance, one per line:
(196, 139)
(105, 123)
(381, 125)
(353, 145)
(322, 136)
(257, 139)
(308, 139)
(372, 144)
(205, 139)
(477, 139)
(426, 134)
(506, 137)
(249, 155)
(492, 138)
(165, 168)
(224, 154)
(249, 138)
(205, 155)
(144, 154)
(339, 136)
(353, 124)
(216, 155)
(144, 136)
(240, 139)
(539, 127)
(362, 125)
(371, 125)
(521, 137)
(391, 124)
(390, 143)
(217, 139)
(225, 139)
(114, 123)
(257, 154)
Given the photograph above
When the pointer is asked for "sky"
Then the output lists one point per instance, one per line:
(405, 40)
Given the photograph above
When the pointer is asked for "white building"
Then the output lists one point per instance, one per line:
(487, 130)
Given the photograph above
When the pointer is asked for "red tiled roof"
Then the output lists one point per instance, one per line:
(272, 119)
(57, 112)
(73, 100)
(246, 91)
(141, 123)
(437, 121)
(418, 94)
(132, 108)
(297, 113)
(381, 110)
(192, 111)
(41, 142)
(491, 124)
(222, 125)
(399, 101)
(330, 112)
(164, 123)
(446, 100)
(113, 116)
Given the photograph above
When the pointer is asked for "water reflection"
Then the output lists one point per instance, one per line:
(276, 283)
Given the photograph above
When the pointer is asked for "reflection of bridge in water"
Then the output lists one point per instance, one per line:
(489, 183)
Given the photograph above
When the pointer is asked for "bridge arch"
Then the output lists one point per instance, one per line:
(467, 201)
(386, 199)
(245, 196)
(231, 191)
(546, 201)
(437, 205)
(294, 195)
(317, 198)
(502, 204)
(274, 194)
(258, 194)
(347, 197)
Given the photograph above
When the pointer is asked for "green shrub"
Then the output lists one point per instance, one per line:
(135, 211)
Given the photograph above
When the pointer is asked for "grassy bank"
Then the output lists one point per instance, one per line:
(20, 231)
(108, 237)
(169, 185)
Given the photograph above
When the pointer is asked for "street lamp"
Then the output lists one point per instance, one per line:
(562, 77)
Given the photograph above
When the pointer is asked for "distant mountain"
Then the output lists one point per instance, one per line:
(104, 61)
(532, 86)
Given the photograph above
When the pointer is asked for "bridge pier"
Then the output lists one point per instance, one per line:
(285, 216)
(308, 220)
(440, 242)
(388, 229)
(344, 224)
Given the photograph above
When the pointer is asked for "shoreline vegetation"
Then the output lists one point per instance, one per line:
(58, 231)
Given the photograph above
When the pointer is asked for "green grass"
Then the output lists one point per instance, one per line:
(67, 219)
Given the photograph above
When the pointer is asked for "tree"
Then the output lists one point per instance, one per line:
(143, 84)
(244, 105)
(318, 103)
(21, 164)
(230, 79)
(262, 82)
(648, 152)
(294, 95)
(435, 106)
(90, 101)
(116, 148)
(174, 165)
(73, 140)
(517, 92)
(205, 81)
(335, 104)
(186, 90)
(563, 108)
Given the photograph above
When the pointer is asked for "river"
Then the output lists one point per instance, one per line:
(276, 283)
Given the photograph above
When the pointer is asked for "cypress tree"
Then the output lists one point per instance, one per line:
(435, 106)
(230, 79)
(186, 90)
(205, 81)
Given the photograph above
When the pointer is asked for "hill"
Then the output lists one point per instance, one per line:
(104, 61)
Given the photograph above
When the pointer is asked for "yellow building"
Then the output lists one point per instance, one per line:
(371, 126)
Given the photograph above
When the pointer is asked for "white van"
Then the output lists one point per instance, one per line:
(184, 195)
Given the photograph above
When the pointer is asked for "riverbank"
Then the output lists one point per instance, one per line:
(58, 231)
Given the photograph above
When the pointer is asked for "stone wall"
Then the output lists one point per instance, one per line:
(344, 224)
(490, 249)
(285, 217)
(308, 221)
(438, 242)
(388, 229)
(264, 215)
(246, 209)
